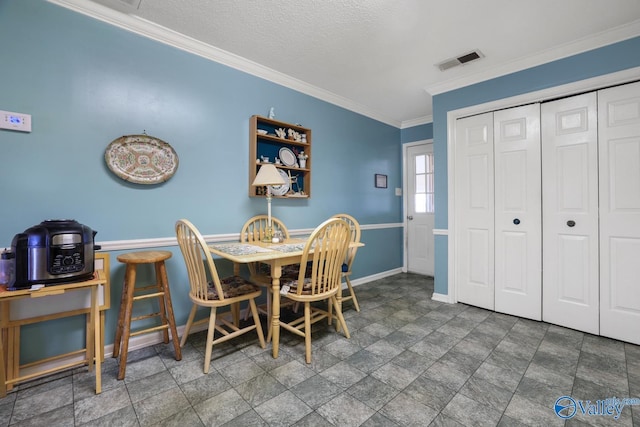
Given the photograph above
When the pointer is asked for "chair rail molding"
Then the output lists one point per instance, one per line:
(162, 242)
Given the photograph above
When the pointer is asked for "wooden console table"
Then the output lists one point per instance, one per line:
(59, 301)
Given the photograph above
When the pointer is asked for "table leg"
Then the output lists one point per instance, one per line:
(276, 273)
(5, 357)
(13, 360)
(95, 322)
(3, 366)
(89, 357)
(339, 306)
(102, 334)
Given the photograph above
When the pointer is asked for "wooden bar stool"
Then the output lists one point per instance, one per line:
(131, 294)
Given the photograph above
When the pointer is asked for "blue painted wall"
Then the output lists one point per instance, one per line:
(416, 133)
(605, 60)
(86, 83)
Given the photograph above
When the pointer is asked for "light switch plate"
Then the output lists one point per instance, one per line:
(15, 121)
(398, 191)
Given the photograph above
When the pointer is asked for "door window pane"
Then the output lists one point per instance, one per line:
(423, 198)
(430, 203)
(420, 164)
(420, 203)
(421, 184)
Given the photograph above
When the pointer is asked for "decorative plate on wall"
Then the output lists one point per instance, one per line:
(141, 159)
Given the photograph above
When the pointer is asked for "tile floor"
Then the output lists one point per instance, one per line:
(410, 361)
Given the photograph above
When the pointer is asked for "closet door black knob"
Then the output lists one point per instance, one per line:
(571, 223)
(516, 221)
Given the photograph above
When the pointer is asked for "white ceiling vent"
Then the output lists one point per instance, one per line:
(460, 60)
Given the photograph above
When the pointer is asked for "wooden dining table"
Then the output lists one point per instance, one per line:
(276, 255)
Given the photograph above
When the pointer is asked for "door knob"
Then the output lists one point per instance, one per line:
(516, 221)
(571, 223)
(409, 217)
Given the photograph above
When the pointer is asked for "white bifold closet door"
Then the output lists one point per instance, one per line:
(474, 211)
(619, 138)
(498, 214)
(518, 233)
(547, 211)
(570, 212)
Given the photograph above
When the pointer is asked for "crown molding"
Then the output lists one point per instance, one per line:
(416, 122)
(180, 41)
(584, 44)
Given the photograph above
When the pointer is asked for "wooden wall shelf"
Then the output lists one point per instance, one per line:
(265, 143)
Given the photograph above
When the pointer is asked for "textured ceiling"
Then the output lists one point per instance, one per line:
(379, 56)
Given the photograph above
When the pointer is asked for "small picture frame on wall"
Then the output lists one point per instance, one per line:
(381, 181)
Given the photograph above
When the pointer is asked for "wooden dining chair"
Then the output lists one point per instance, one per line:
(325, 249)
(351, 255)
(214, 292)
(254, 230)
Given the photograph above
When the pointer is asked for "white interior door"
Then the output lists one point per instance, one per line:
(619, 136)
(570, 212)
(420, 209)
(474, 211)
(518, 229)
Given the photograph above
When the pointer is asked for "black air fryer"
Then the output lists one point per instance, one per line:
(54, 251)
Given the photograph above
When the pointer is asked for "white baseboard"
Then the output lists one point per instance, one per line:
(441, 298)
(373, 277)
(146, 340)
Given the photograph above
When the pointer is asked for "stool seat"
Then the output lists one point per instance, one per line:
(159, 290)
(144, 257)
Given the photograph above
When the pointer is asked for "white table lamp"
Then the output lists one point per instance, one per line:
(268, 175)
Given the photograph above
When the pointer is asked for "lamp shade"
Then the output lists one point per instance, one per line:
(268, 175)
